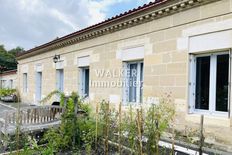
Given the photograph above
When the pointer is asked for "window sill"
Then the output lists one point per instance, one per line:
(134, 105)
(209, 119)
(212, 114)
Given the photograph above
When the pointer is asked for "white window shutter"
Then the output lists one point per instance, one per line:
(79, 82)
(83, 82)
(138, 83)
(62, 80)
(125, 98)
(229, 86)
(57, 80)
(25, 87)
(192, 83)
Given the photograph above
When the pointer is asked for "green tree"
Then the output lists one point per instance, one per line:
(16, 51)
(8, 58)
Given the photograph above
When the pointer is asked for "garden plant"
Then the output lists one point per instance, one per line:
(109, 129)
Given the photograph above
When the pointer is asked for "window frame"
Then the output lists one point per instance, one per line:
(3, 84)
(212, 84)
(60, 79)
(11, 85)
(82, 81)
(25, 82)
(126, 87)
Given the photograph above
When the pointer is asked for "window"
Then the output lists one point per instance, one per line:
(133, 83)
(25, 86)
(38, 86)
(84, 82)
(3, 83)
(11, 84)
(210, 83)
(59, 80)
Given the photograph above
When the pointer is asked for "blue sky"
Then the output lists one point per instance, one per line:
(30, 23)
(124, 6)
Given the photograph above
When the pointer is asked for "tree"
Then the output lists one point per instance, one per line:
(8, 58)
(16, 51)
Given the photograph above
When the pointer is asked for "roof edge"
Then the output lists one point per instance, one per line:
(9, 72)
(122, 21)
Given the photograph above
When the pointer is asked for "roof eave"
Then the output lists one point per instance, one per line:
(160, 9)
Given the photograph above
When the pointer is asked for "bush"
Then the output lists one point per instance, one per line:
(158, 119)
(137, 130)
(7, 92)
(76, 132)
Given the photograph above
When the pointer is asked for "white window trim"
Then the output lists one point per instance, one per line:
(82, 81)
(25, 83)
(212, 86)
(126, 80)
(11, 83)
(60, 79)
(3, 83)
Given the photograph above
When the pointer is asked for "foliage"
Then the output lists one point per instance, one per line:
(15, 51)
(61, 138)
(14, 143)
(81, 132)
(129, 128)
(86, 128)
(7, 58)
(53, 93)
(157, 120)
(75, 131)
(7, 92)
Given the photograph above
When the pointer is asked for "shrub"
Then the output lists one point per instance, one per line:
(6, 92)
(158, 118)
(76, 131)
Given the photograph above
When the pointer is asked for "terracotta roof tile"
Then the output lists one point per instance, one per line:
(9, 72)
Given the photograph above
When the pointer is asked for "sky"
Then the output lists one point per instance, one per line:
(30, 23)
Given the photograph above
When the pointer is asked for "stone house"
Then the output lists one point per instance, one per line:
(177, 46)
(8, 79)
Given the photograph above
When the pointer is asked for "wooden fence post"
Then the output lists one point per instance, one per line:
(75, 120)
(107, 128)
(120, 129)
(157, 136)
(139, 132)
(201, 135)
(96, 136)
(173, 139)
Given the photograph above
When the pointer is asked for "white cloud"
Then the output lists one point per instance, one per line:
(98, 9)
(29, 23)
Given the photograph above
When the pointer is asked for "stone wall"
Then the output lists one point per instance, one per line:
(166, 61)
(10, 80)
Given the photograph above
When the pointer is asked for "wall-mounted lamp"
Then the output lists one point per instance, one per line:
(56, 58)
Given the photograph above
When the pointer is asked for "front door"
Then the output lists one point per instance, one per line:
(38, 86)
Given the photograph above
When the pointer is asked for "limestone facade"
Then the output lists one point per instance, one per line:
(167, 45)
(8, 79)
